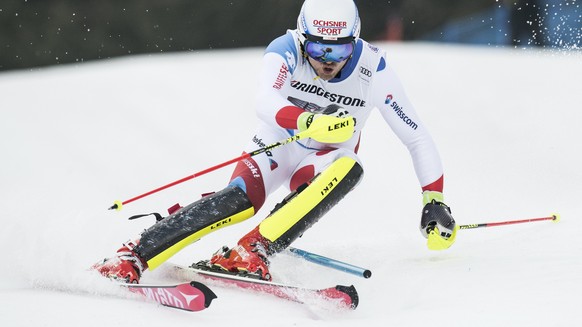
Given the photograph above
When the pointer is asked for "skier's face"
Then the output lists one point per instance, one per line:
(326, 70)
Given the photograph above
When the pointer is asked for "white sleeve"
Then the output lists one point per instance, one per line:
(273, 85)
(389, 97)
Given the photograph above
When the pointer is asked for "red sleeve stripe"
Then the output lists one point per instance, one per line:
(287, 116)
(437, 185)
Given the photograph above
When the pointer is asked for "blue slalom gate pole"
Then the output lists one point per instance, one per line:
(332, 263)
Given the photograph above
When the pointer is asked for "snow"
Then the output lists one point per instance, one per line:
(507, 122)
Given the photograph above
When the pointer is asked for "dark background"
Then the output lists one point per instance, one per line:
(48, 32)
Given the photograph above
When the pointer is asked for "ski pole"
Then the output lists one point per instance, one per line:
(119, 204)
(554, 217)
(332, 263)
(339, 128)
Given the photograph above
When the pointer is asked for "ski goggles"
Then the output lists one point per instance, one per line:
(325, 52)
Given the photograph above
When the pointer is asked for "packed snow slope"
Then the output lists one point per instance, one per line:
(507, 122)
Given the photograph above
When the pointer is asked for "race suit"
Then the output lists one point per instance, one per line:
(288, 82)
(318, 175)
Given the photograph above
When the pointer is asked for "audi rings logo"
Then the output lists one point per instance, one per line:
(365, 71)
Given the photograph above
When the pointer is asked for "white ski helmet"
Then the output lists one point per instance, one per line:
(328, 21)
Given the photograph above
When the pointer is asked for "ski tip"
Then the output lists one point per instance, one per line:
(209, 295)
(352, 293)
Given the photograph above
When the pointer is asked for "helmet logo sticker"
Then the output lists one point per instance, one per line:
(329, 27)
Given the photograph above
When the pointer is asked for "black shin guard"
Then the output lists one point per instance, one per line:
(303, 208)
(170, 235)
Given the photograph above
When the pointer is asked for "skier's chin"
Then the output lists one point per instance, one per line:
(328, 70)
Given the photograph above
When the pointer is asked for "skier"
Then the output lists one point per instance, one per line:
(316, 75)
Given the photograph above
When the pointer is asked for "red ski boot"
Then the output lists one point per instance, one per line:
(250, 256)
(125, 266)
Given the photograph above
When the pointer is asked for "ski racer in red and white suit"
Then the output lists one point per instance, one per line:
(320, 74)
(289, 86)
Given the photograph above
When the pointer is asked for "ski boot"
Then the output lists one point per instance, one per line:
(247, 258)
(125, 266)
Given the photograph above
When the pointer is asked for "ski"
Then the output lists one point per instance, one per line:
(344, 297)
(191, 296)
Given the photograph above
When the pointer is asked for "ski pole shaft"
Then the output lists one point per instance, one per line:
(332, 263)
(320, 131)
(118, 204)
(553, 217)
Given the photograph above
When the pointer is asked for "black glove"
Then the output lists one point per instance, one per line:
(437, 215)
(335, 110)
(437, 223)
